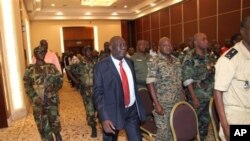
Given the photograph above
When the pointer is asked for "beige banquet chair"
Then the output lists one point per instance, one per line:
(214, 119)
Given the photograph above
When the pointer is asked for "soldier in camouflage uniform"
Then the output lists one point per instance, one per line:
(140, 59)
(198, 77)
(84, 71)
(42, 82)
(165, 85)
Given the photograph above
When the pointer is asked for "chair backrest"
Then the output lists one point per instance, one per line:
(146, 101)
(184, 122)
(214, 118)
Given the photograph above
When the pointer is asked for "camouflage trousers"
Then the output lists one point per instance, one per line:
(47, 119)
(87, 95)
(203, 118)
(163, 125)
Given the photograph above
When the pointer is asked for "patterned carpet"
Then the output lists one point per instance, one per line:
(73, 120)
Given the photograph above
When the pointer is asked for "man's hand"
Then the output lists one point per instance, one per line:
(37, 101)
(108, 126)
(196, 103)
(226, 132)
(159, 109)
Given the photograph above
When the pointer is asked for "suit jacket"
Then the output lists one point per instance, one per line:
(108, 93)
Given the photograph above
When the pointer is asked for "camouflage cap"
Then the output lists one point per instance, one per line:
(39, 49)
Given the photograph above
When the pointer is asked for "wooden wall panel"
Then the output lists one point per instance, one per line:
(165, 32)
(171, 23)
(228, 5)
(176, 14)
(155, 20)
(146, 36)
(146, 23)
(78, 33)
(124, 28)
(155, 35)
(208, 26)
(138, 24)
(190, 10)
(246, 3)
(139, 36)
(176, 34)
(190, 29)
(246, 12)
(164, 17)
(208, 8)
(227, 26)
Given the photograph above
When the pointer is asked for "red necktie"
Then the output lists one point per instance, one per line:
(125, 85)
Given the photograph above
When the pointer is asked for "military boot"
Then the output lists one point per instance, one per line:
(94, 131)
(58, 137)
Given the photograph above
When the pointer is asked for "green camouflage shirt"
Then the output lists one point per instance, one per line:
(166, 78)
(47, 78)
(199, 71)
(84, 70)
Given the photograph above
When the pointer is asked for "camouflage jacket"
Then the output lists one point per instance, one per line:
(166, 78)
(199, 71)
(49, 79)
(84, 71)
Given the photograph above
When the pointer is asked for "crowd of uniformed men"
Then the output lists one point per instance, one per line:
(170, 74)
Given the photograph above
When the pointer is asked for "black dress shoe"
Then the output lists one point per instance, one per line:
(94, 132)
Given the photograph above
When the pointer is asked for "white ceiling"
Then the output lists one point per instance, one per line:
(73, 10)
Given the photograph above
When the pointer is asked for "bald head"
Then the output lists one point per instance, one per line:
(165, 46)
(118, 47)
(200, 41)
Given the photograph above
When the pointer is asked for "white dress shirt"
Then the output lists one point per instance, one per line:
(129, 76)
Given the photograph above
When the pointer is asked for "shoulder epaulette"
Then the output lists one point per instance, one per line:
(231, 53)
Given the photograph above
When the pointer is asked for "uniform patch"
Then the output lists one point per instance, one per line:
(231, 53)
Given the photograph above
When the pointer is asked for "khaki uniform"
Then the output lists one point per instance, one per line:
(231, 77)
(167, 80)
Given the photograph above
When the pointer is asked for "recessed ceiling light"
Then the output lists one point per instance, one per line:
(59, 13)
(137, 11)
(88, 13)
(38, 0)
(114, 14)
(125, 6)
(38, 9)
(53, 5)
(152, 4)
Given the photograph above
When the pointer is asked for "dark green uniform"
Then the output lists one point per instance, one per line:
(141, 68)
(84, 71)
(44, 83)
(199, 70)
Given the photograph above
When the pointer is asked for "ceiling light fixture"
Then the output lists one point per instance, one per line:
(137, 11)
(114, 14)
(125, 6)
(53, 5)
(88, 13)
(152, 4)
(97, 2)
